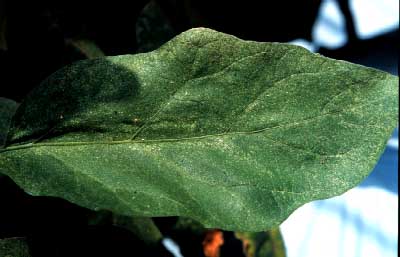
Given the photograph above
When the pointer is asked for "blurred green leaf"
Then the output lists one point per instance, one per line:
(152, 28)
(14, 247)
(86, 47)
(144, 228)
(262, 244)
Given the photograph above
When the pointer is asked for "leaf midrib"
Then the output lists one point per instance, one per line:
(143, 141)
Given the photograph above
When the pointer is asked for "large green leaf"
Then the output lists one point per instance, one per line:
(234, 134)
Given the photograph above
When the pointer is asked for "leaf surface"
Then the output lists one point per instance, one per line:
(234, 134)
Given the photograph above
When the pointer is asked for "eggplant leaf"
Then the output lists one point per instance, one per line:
(234, 134)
